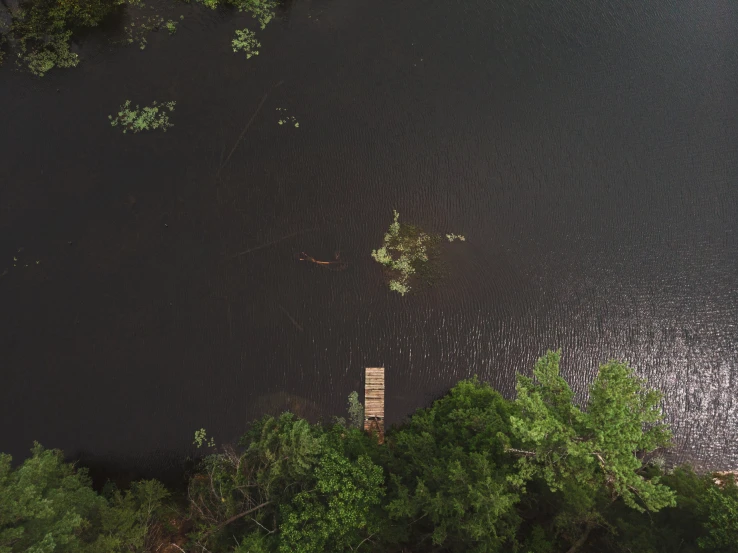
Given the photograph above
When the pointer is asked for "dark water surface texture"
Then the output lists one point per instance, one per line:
(587, 150)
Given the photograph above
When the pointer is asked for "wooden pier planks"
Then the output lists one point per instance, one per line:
(374, 401)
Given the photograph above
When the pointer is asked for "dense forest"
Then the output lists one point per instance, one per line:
(474, 472)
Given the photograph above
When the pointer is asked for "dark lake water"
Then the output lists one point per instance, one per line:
(587, 150)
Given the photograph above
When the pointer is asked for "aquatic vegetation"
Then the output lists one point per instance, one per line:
(261, 10)
(171, 25)
(245, 41)
(140, 27)
(404, 251)
(143, 119)
(285, 119)
(201, 439)
(54, 53)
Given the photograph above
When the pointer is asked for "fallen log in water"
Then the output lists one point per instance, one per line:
(336, 265)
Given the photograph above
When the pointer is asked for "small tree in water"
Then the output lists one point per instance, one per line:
(406, 252)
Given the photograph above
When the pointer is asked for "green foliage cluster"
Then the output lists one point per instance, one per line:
(474, 472)
(404, 250)
(201, 439)
(143, 119)
(596, 446)
(246, 42)
(450, 470)
(54, 53)
(137, 29)
(171, 25)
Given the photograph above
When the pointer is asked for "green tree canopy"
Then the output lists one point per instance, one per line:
(450, 473)
(600, 444)
(589, 458)
(291, 486)
(125, 522)
(45, 504)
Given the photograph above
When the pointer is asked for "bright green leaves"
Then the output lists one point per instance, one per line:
(622, 409)
(54, 52)
(336, 514)
(598, 446)
(246, 42)
(547, 425)
(140, 119)
(408, 254)
(405, 248)
(623, 419)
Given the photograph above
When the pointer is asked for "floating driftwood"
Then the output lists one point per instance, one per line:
(336, 265)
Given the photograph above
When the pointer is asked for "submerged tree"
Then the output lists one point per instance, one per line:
(405, 248)
(140, 119)
(408, 251)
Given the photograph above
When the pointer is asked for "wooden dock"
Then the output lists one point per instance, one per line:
(374, 402)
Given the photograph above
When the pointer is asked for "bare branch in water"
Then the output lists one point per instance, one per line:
(262, 246)
(294, 322)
